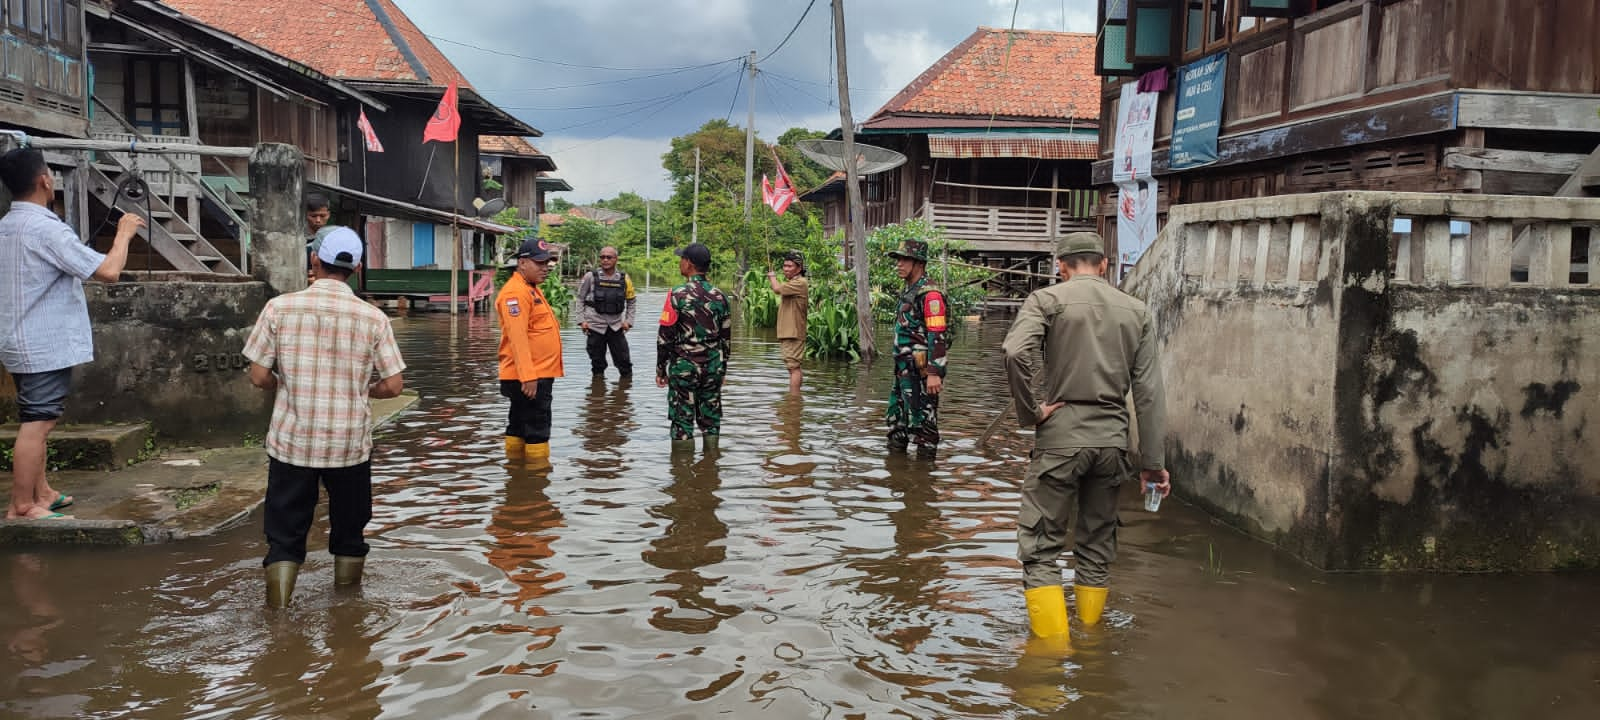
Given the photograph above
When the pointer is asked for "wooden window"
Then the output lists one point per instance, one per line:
(1154, 32)
(155, 97)
(1273, 8)
(1111, 52)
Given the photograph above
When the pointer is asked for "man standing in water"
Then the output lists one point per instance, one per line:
(530, 353)
(920, 325)
(605, 312)
(793, 298)
(692, 351)
(318, 349)
(1097, 344)
(44, 319)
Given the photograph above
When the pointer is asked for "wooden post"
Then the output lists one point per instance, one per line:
(858, 232)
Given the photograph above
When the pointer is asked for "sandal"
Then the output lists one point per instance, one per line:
(62, 500)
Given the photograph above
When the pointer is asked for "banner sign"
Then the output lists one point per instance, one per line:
(1136, 134)
(1198, 120)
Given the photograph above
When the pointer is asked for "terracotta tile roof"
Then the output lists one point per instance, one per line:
(506, 145)
(341, 38)
(1029, 74)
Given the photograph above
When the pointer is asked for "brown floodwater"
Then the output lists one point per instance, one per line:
(802, 574)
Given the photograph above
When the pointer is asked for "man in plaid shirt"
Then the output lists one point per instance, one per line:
(318, 349)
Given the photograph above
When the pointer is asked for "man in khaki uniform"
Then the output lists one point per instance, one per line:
(793, 298)
(1097, 344)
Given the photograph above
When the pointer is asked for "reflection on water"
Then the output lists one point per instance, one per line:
(800, 573)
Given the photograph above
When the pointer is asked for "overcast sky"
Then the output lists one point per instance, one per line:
(610, 82)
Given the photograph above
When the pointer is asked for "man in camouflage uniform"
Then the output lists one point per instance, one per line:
(920, 342)
(692, 351)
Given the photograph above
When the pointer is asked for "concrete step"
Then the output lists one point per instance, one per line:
(87, 447)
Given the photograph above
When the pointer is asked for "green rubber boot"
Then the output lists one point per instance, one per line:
(347, 569)
(712, 443)
(280, 583)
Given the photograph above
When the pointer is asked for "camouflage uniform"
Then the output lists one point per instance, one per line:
(692, 354)
(920, 343)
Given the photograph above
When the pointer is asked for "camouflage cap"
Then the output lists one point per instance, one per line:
(911, 250)
(1080, 242)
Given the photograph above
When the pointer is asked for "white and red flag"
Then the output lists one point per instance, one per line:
(368, 134)
(779, 196)
(446, 122)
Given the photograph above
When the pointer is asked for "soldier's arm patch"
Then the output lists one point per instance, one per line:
(513, 307)
(669, 314)
(933, 310)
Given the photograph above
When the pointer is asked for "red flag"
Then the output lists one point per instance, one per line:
(368, 134)
(445, 123)
(779, 196)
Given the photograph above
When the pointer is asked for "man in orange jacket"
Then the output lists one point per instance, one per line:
(530, 353)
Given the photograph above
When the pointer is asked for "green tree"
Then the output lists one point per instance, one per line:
(583, 238)
(557, 205)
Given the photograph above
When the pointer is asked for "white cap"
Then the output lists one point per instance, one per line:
(340, 247)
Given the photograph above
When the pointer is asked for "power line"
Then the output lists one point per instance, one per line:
(791, 32)
(829, 84)
(770, 92)
(735, 99)
(608, 82)
(799, 89)
(657, 111)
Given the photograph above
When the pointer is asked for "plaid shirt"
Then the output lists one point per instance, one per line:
(44, 318)
(324, 343)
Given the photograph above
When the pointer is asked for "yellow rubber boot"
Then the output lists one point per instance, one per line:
(536, 451)
(1047, 611)
(514, 447)
(1091, 603)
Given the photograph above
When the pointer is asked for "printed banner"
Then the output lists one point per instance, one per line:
(1198, 120)
(1136, 219)
(1136, 134)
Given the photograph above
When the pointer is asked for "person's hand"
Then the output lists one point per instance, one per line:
(772, 274)
(935, 384)
(1048, 409)
(661, 381)
(531, 389)
(627, 326)
(1162, 480)
(129, 225)
(584, 326)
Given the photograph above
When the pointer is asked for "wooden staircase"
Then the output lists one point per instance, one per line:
(167, 233)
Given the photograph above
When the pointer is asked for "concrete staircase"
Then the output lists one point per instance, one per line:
(88, 447)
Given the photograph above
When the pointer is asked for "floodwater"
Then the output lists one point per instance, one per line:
(801, 574)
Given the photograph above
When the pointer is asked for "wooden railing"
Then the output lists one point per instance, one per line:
(984, 224)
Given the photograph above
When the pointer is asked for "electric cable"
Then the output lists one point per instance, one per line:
(791, 32)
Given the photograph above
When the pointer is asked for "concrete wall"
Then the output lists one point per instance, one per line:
(169, 353)
(1373, 401)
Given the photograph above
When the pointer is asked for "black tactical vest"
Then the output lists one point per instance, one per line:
(609, 297)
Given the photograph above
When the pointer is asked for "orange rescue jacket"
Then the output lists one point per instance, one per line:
(530, 334)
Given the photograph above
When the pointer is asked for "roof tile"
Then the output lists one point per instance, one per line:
(1007, 74)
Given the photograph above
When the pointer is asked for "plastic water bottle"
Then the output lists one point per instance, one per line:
(1152, 497)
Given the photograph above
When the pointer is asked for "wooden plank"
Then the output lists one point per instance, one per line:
(1407, 118)
(1528, 111)
(1491, 264)
(1470, 158)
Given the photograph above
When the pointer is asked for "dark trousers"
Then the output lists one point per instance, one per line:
(599, 340)
(1072, 488)
(529, 419)
(292, 501)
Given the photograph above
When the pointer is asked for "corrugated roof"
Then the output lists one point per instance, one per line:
(1007, 74)
(347, 39)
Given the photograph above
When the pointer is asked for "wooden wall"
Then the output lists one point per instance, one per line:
(1543, 45)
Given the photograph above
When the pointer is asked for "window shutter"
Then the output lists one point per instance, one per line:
(1273, 8)
(1111, 52)
(1154, 32)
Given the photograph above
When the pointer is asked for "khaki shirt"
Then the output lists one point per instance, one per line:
(793, 299)
(1097, 343)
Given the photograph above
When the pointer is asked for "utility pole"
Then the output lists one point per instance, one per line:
(694, 215)
(857, 233)
(750, 139)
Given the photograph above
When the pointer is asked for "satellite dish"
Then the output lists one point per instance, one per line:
(489, 208)
(870, 159)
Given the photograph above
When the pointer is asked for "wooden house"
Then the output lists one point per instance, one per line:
(1456, 96)
(521, 170)
(999, 135)
(410, 199)
(42, 80)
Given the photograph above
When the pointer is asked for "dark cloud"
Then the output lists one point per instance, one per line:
(616, 78)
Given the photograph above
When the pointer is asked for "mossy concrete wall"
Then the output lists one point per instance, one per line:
(1368, 400)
